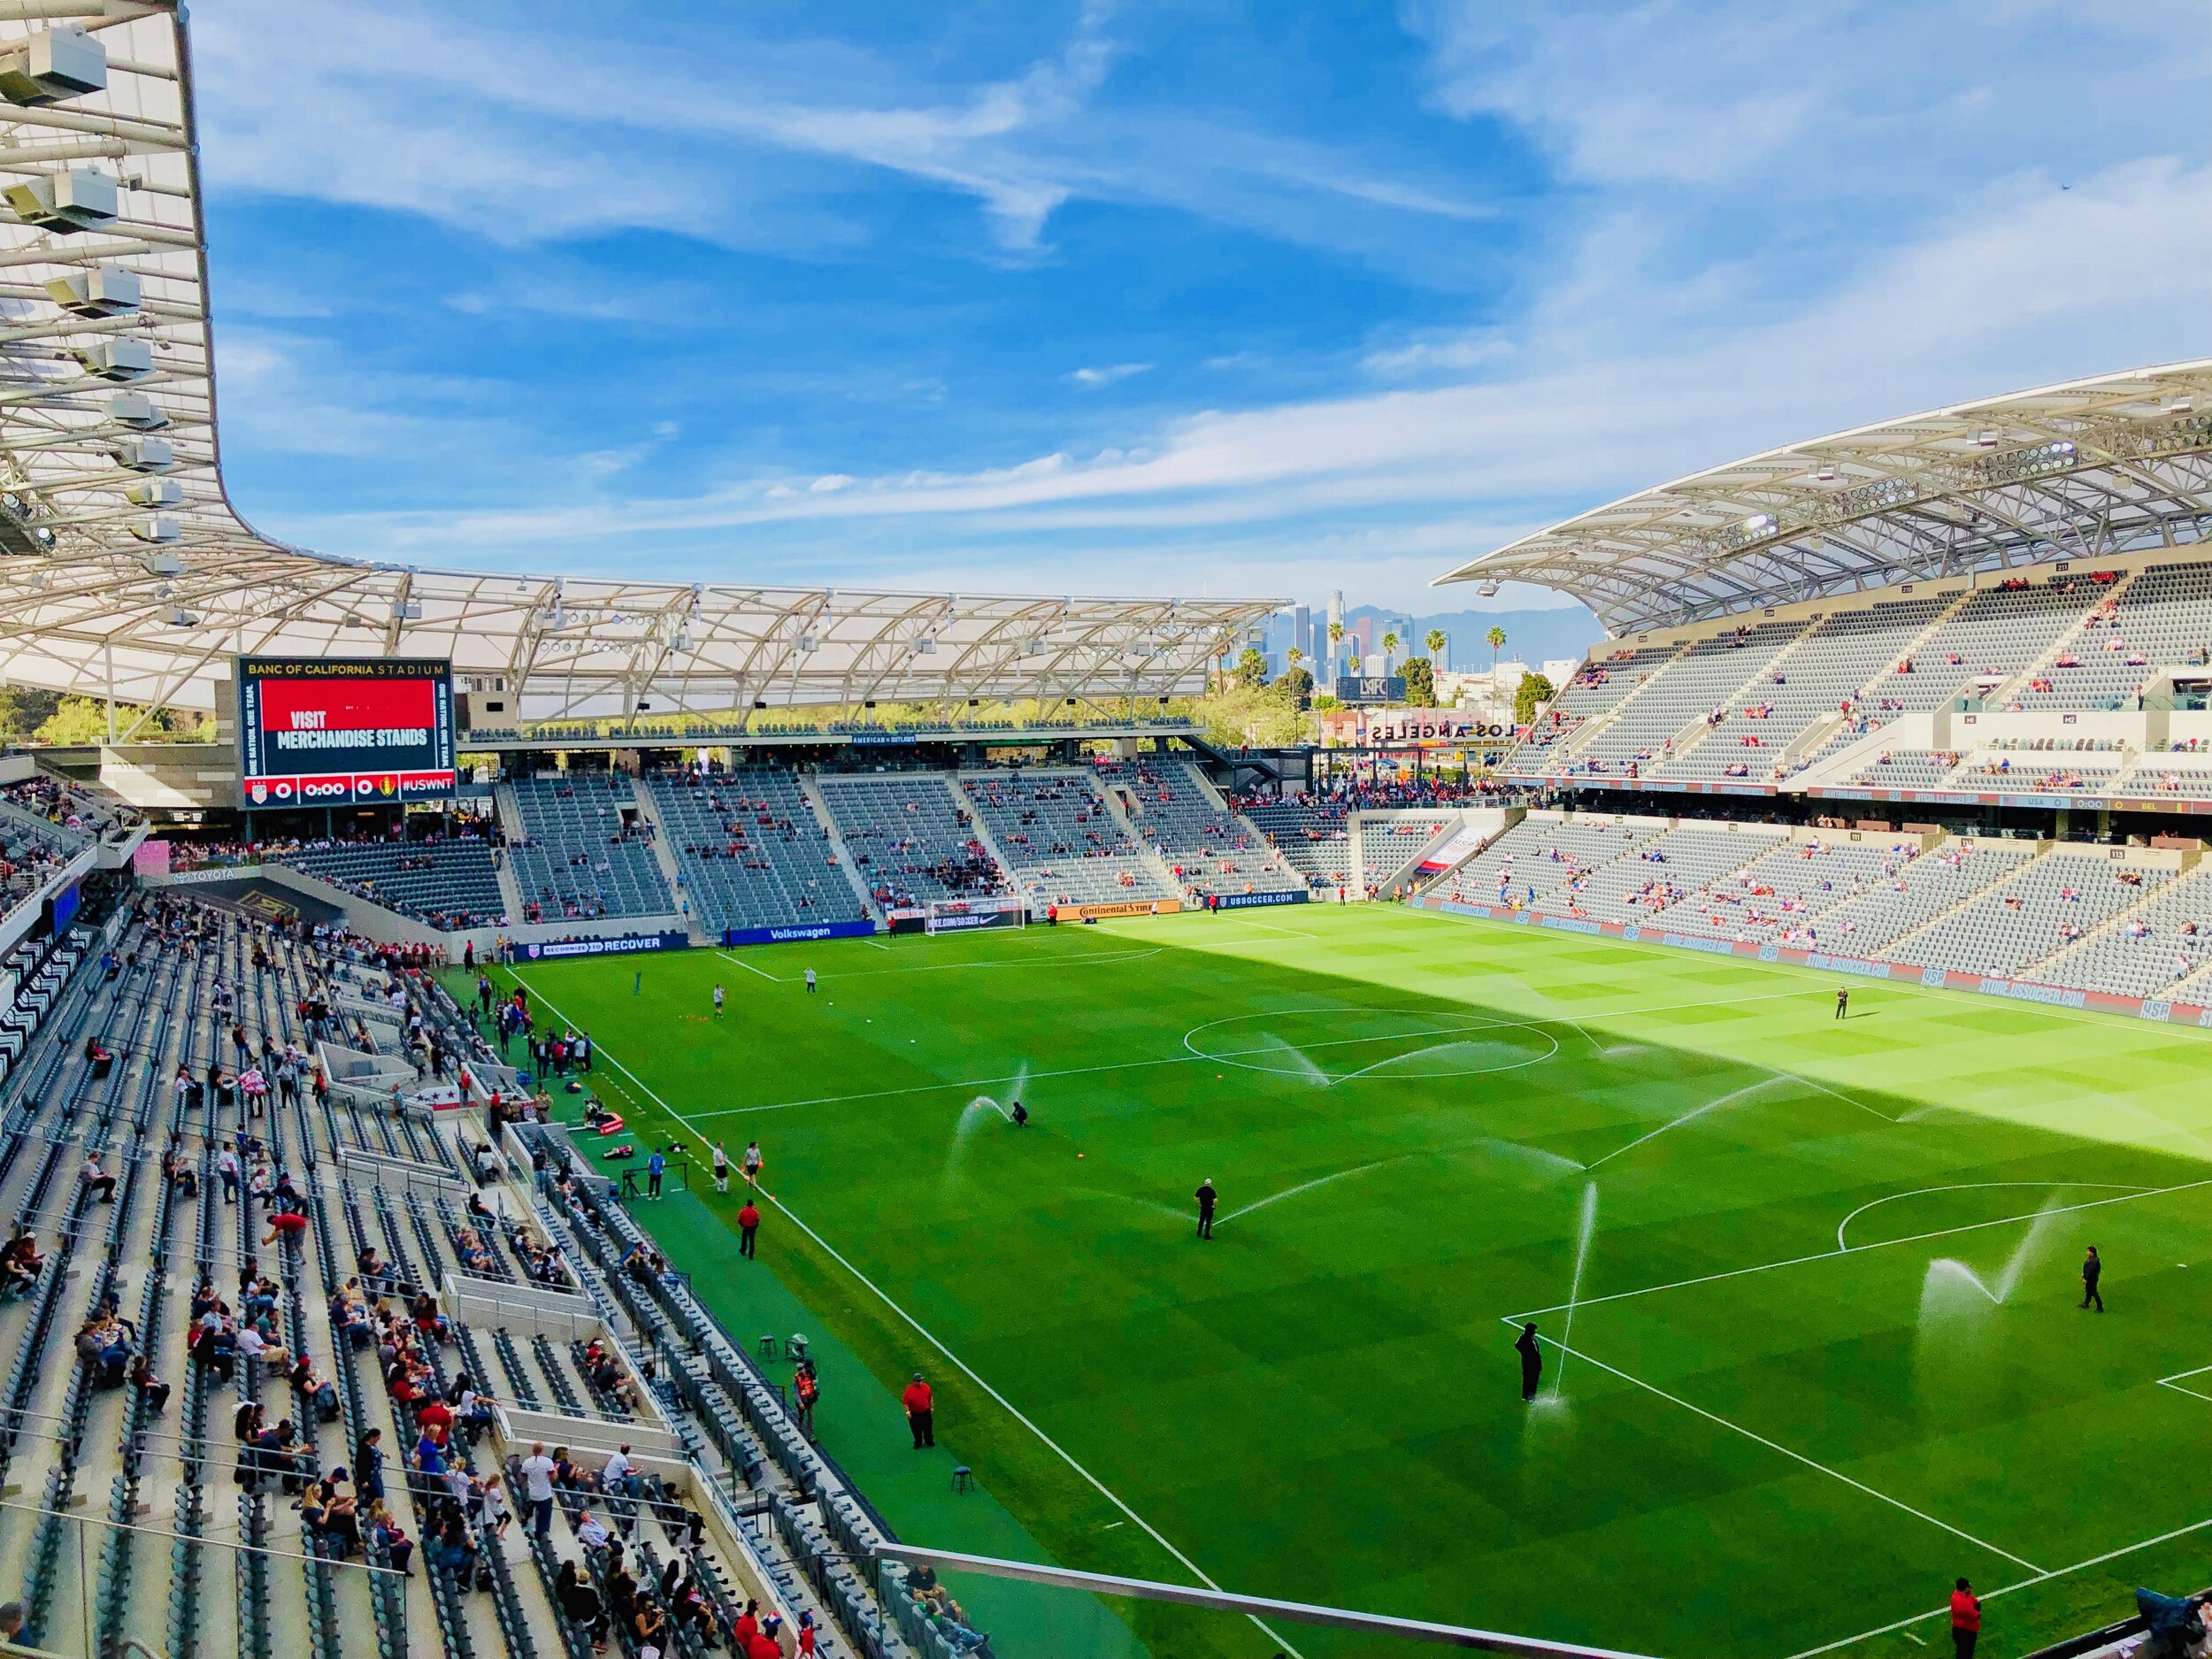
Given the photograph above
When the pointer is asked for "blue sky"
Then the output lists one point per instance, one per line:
(1140, 299)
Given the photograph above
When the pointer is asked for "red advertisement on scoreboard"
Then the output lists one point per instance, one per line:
(340, 732)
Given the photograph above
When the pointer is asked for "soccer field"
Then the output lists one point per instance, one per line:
(1807, 1287)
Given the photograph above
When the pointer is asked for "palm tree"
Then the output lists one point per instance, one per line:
(1496, 638)
(1336, 638)
(1435, 643)
(1389, 648)
(1351, 664)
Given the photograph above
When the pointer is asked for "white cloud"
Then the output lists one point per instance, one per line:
(1107, 376)
(2034, 285)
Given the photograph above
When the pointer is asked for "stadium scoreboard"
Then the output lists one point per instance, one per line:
(344, 731)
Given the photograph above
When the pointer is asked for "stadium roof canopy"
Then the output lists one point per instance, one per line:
(2116, 465)
(125, 572)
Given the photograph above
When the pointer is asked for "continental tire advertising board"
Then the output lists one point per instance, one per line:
(1120, 906)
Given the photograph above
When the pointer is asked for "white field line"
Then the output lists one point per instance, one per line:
(748, 967)
(1478, 1023)
(1270, 927)
(1990, 1595)
(1828, 1089)
(930, 1337)
(1860, 1249)
(2175, 1381)
(1976, 1186)
(1057, 959)
(1795, 1457)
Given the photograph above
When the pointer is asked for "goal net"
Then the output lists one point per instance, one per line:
(965, 916)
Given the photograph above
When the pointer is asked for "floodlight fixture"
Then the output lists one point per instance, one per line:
(64, 202)
(136, 411)
(51, 64)
(117, 357)
(105, 290)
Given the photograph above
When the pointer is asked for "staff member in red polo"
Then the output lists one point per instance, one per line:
(1966, 1620)
(920, 1412)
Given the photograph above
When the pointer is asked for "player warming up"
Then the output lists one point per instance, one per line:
(1207, 1199)
(2092, 1270)
(718, 1001)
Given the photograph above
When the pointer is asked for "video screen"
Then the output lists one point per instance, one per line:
(344, 731)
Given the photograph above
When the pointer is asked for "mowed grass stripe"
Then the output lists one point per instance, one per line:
(1321, 1404)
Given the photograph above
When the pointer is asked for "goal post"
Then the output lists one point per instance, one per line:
(965, 916)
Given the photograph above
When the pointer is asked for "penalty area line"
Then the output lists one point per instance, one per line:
(1795, 1457)
(2007, 1589)
(1879, 1244)
(771, 978)
(930, 1337)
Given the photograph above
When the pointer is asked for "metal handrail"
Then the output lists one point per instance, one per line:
(1252, 1607)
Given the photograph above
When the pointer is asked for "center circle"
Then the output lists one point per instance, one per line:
(1327, 1046)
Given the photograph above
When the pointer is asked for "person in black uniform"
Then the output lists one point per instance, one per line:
(1020, 1116)
(1207, 1198)
(1531, 1360)
(2092, 1270)
(1843, 1001)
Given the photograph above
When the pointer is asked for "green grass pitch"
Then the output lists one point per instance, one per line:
(1824, 1356)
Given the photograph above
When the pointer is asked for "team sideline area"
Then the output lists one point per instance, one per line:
(1805, 1280)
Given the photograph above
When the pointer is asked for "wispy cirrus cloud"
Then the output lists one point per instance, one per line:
(1108, 375)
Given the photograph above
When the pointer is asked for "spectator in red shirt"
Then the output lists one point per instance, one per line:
(1966, 1620)
(436, 1414)
(920, 1412)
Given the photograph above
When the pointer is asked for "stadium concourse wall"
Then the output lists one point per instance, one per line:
(1824, 962)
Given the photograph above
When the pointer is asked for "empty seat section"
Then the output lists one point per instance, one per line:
(2148, 952)
(1065, 844)
(1386, 843)
(1544, 852)
(585, 851)
(1826, 668)
(447, 883)
(1909, 893)
(749, 850)
(1312, 832)
(1777, 895)
(2049, 904)
(1701, 682)
(1209, 850)
(1657, 873)
(2161, 619)
(911, 838)
(1993, 636)
(1598, 687)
